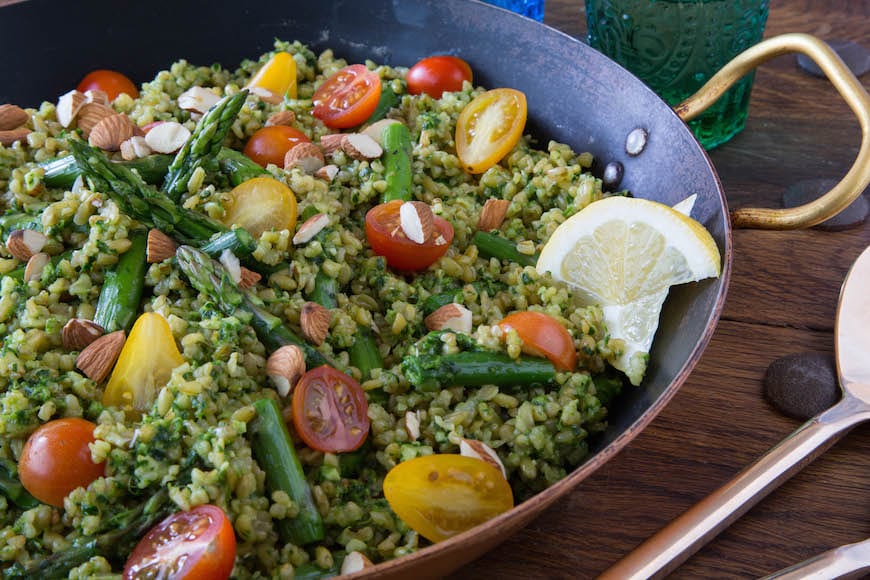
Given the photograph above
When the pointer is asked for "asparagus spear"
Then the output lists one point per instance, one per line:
(325, 290)
(237, 166)
(10, 486)
(276, 455)
(210, 278)
(430, 372)
(122, 289)
(397, 162)
(62, 171)
(204, 144)
(494, 246)
(364, 353)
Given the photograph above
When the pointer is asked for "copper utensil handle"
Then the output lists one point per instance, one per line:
(855, 95)
(674, 543)
(849, 561)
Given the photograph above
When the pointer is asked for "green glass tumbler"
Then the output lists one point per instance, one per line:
(675, 46)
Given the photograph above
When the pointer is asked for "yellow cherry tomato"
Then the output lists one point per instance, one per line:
(489, 127)
(277, 76)
(440, 496)
(259, 205)
(144, 366)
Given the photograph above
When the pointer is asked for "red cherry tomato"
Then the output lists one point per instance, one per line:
(194, 545)
(271, 144)
(110, 82)
(386, 239)
(330, 411)
(543, 336)
(56, 460)
(347, 98)
(436, 75)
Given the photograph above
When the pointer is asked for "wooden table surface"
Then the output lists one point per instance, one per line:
(782, 300)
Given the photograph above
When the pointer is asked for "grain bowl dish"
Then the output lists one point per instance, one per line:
(291, 309)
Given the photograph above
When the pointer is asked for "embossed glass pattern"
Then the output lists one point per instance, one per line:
(530, 8)
(675, 46)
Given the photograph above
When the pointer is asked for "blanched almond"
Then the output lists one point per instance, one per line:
(97, 359)
(248, 278)
(412, 424)
(327, 172)
(90, 114)
(332, 142)
(266, 95)
(12, 117)
(286, 118)
(359, 146)
(111, 131)
(231, 262)
(310, 228)
(376, 130)
(68, 107)
(453, 316)
(159, 246)
(78, 333)
(22, 244)
(306, 156)
(482, 451)
(167, 137)
(492, 214)
(314, 320)
(355, 562)
(417, 221)
(197, 99)
(285, 367)
(135, 148)
(9, 137)
(35, 265)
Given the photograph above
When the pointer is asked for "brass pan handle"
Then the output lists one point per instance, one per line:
(858, 176)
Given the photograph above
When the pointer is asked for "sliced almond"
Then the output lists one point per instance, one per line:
(266, 95)
(417, 221)
(327, 172)
(90, 114)
(285, 367)
(97, 359)
(306, 156)
(248, 278)
(135, 148)
(453, 316)
(9, 137)
(22, 244)
(412, 424)
(314, 320)
(310, 228)
(159, 247)
(376, 130)
(482, 451)
(68, 107)
(97, 96)
(79, 333)
(332, 142)
(167, 137)
(231, 262)
(359, 146)
(492, 214)
(286, 118)
(198, 99)
(35, 265)
(12, 117)
(355, 562)
(111, 131)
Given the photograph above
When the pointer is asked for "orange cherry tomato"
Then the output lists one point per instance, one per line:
(198, 544)
(489, 127)
(386, 239)
(347, 98)
(110, 82)
(440, 496)
(330, 411)
(277, 76)
(436, 75)
(543, 336)
(56, 459)
(271, 144)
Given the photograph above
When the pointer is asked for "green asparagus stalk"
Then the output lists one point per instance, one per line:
(63, 171)
(238, 167)
(325, 290)
(210, 278)
(494, 246)
(204, 144)
(364, 353)
(397, 162)
(430, 372)
(121, 293)
(11, 488)
(276, 455)
(239, 241)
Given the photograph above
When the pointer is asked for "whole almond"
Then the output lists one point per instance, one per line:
(482, 451)
(306, 156)
(111, 131)
(22, 244)
(492, 214)
(9, 137)
(332, 142)
(286, 118)
(359, 146)
(79, 333)
(12, 117)
(91, 114)
(314, 320)
(159, 246)
(310, 228)
(248, 278)
(453, 316)
(417, 221)
(285, 367)
(68, 107)
(97, 359)
(35, 265)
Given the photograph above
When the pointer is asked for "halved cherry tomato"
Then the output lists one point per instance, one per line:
(330, 411)
(489, 127)
(543, 336)
(144, 365)
(436, 75)
(110, 82)
(261, 204)
(386, 239)
(347, 98)
(277, 76)
(56, 459)
(271, 144)
(440, 496)
(198, 544)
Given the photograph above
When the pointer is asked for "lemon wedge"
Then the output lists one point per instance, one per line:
(624, 254)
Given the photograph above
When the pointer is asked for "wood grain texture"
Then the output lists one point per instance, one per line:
(782, 300)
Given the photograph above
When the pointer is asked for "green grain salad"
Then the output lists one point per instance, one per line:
(158, 298)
